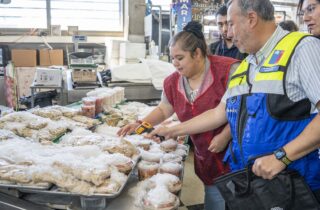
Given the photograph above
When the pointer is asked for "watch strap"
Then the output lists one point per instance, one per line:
(283, 157)
(286, 160)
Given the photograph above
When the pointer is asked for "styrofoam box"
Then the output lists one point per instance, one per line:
(114, 48)
(25, 77)
(130, 50)
(46, 76)
(123, 61)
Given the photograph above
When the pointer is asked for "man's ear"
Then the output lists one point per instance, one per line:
(252, 18)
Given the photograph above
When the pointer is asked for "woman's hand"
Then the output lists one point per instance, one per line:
(128, 129)
(153, 138)
(218, 144)
(160, 131)
(220, 141)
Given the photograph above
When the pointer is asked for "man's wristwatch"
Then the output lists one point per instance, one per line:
(282, 156)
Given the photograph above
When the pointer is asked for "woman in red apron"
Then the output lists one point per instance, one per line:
(198, 85)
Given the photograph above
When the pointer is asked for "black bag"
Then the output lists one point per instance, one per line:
(242, 190)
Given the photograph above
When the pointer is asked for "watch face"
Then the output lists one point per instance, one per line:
(279, 154)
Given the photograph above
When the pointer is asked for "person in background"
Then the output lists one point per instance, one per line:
(273, 99)
(310, 12)
(289, 25)
(197, 85)
(224, 46)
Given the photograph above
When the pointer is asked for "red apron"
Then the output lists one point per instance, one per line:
(208, 165)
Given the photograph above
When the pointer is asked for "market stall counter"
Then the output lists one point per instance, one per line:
(34, 200)
(57, 158)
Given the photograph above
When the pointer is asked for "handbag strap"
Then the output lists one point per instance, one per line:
(249, 175)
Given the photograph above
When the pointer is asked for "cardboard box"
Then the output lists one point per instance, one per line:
(24, 58)
(51, 57)
(84, 75)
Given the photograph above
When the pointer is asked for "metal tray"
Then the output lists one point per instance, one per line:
(54, 190)
(25, 187)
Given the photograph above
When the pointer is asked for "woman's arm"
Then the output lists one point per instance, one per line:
(162, 112)
(208, 120)
(220, 141)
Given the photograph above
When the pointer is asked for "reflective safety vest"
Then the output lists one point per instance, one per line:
(263, 118)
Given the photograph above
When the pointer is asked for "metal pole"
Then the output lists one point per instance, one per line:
(160, 28)
(49, 17)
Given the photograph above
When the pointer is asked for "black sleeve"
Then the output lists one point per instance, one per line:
(213, 47)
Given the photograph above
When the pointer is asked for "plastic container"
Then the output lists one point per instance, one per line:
(171, 168)
(160, 198)
(89, 101)
(88, 110)
(107, 101)
(99, 100)
(168, 157)
(147, 169)
(168, 145)
(92, 203)
(152, 156)
(119, 92)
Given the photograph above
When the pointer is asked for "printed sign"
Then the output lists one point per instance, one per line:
(184, 13)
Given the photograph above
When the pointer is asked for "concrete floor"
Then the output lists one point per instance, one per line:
(192, 190)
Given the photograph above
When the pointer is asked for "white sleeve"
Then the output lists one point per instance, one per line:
(164, 99)
(307, 59)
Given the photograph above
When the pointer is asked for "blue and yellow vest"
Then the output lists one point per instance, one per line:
(263, 118)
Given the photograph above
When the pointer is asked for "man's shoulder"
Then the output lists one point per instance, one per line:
(213, 46)
(216, 43)
(306, 46)
(309, 40)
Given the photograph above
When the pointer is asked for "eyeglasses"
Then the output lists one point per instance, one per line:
(309, 9)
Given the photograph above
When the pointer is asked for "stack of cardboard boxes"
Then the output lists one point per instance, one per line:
(28, 58)
(25, 62)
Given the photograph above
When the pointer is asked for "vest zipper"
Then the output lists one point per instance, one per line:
(239, 131)
(242, 121)
(248, 79)
(243, 116)
(232, 153)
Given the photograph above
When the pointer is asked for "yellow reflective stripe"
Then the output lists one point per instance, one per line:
(278, 75)
(243, 67)
(287, 44)
(237, 81)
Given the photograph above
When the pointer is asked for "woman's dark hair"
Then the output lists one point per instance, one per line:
(191, 38)
(299, 8)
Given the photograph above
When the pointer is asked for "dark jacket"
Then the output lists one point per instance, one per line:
(219, 48)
